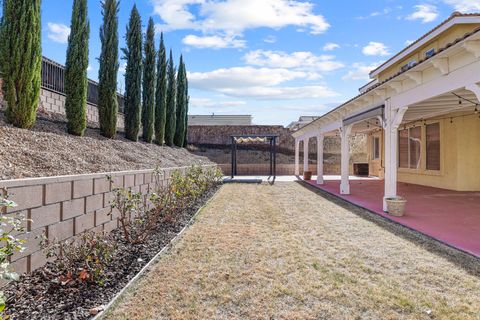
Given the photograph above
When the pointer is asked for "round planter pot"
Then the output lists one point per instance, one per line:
(396, 206)
(307, 175)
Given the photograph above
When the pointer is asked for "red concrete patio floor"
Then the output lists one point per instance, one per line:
(451, 217)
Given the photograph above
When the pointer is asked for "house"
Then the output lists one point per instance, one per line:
(302, 121)
(219, 120)
(420, 112)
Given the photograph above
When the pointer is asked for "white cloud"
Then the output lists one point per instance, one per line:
(258, 83)
(215, 104)
(409, 42)
(330, 46)
(361, 71)
(282, 93)
(302, 60)
(58, 32)
(425, 12)
(464, 5)
(215, 42)
(237, 77)
(375, 49)
(235, 16)
(270, 39)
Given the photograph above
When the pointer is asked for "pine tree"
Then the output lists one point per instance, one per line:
(161, 94)
(148, 113)
(76, 80)
(185, 139)
(171, 104)
(107, 87)
(133, 75)
(21, 60)
(181, 105)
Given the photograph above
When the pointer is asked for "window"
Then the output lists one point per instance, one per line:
(408, 65)
(410, 148)
(375, 148)
(433, 146)
(430, 53)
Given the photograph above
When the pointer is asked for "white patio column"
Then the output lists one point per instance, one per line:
(320, 138)
(305, 154)
(345, 161)
(393, 119)
(297, 157)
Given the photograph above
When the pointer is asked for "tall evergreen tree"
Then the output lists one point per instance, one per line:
(171, 104)
(21, 60)
(148, 111)
(181, 105)
(76, 81)
(107, 87)
(161, 94)
(133, 75)
(185, 140)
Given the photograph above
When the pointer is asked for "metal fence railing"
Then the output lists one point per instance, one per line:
(53, 79)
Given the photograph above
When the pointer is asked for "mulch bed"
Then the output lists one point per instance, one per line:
(40, 296)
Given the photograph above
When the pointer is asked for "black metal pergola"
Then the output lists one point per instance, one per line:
(244, 139)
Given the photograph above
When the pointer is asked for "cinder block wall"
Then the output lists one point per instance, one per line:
(65, 206)
(53, 102)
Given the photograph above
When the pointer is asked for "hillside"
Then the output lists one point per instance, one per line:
(47, 150)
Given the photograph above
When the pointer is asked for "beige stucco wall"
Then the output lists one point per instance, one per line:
(449, 36)
(459, 154)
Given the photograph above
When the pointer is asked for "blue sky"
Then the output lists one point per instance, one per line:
(274, 59)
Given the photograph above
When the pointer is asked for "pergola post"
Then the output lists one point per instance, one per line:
(320, 138)
(297, 157)
(345, 160)
(393, 119)
(305, 154)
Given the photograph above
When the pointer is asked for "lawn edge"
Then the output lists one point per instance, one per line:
(130, 285)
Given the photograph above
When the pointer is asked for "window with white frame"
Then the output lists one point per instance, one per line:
(430, 53)
(408, 65)
(410, 148)
(376, 148)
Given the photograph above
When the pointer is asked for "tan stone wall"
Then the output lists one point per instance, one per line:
(65, 206)
(220, 136)
(282, 169)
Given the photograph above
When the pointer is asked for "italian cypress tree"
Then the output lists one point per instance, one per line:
(76, 81)
(161, 94)
(185, 140)
(107, 87)
(181, 105)
(21, 60)
(133, 75)
(148, 111)
(171, 104)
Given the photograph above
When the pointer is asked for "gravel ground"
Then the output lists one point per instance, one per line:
(47, 150)
(287, 252)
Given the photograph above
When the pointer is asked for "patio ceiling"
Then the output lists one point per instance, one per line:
(442, 105)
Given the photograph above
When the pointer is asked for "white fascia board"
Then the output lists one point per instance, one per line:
(406, 52)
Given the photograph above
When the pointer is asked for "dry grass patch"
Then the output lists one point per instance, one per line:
(285, 252)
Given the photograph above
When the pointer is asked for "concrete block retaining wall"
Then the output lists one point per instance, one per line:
(65, 206)
(53, 102)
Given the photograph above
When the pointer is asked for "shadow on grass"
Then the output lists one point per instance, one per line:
(464, 260)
